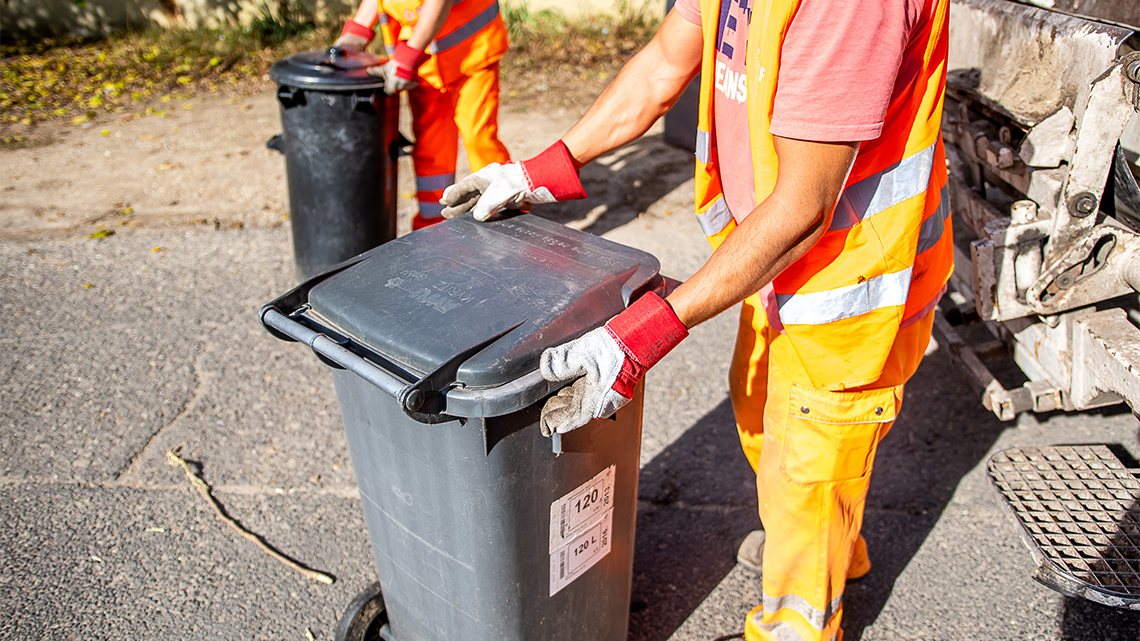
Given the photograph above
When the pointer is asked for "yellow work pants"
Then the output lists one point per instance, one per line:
(469, 108)
(812, 451)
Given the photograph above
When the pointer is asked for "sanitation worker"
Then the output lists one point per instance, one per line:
(820, 182)
(445, 54)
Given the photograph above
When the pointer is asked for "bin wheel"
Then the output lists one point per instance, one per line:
(363, 617)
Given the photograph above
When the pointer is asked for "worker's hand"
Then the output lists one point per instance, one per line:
(608, 363)
(354, 36)
(400, 72)
(548, 177)
(351, 43)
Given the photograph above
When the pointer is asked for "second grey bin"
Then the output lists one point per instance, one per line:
(482, 529)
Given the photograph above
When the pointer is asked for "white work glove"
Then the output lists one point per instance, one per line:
(548, 177)
(607, 362)
(351, 43)
(354, 36)
(401, 71)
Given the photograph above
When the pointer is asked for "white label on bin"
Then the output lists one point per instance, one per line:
(579, 510)
(580, 554)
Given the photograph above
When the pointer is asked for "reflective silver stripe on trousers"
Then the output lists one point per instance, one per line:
(932, 228)
(715, 218)
(391, 49)
(703, 146)
(820, 308)
(430, 210)
(876, 193)
(783, 631)
(470, 28)
(800, 605)
(434, 183)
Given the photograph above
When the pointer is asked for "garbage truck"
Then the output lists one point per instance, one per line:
(1042, 135)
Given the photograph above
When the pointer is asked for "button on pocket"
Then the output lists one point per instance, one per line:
(831, 436)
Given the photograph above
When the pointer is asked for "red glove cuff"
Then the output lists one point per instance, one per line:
(354, 28)
(408, 60)
(646, 332)
(554, 169)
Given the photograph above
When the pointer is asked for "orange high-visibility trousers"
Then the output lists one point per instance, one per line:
(813, 451)
(469, 108)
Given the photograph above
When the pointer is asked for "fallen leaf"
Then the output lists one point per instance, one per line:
(87, 285)
(103, 233)
(167, 166)
(245, 108)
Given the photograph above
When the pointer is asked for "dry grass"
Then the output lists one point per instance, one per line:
(126, 76)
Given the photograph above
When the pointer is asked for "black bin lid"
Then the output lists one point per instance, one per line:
(422, 299)
(332, 69)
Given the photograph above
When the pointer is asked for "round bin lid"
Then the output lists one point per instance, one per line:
(332, 69)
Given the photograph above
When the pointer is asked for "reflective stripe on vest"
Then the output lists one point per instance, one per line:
(715, 218)
(817, 308)
(465, 31)
(703, 150)
(434, 183)
(898, 183)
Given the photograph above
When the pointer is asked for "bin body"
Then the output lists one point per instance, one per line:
(460, 533)
(338, 134)
(482, 529)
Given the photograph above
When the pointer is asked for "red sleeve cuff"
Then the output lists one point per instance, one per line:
(354, 28)
(647, 330)
(408, 60)
(554, 169)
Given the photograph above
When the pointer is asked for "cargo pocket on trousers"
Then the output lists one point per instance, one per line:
(831, 436)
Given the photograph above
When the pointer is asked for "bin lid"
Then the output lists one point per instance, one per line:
(422, 299)
(333, 69)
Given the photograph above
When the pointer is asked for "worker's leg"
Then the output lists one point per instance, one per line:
(477, 117)
(748, 377)
(435, 151)
(814, 469)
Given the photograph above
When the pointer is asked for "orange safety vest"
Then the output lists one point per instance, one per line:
(888, 253)
(473, 37)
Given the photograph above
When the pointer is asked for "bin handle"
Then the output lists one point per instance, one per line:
(324, 346)
(449, 403)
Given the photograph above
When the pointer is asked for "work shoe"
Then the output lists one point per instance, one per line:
(750, 554)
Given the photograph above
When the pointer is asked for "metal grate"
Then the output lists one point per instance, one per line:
(1079, 510)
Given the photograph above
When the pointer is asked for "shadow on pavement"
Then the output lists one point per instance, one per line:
(623, 184)
(697, 501)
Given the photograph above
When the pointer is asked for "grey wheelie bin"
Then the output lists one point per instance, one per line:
(482, 529)
(340, 138)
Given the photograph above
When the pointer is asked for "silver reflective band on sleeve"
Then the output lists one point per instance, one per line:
(468, 29)
(430, 210)
(815, 618)
(715, 218)
(820, 308)
(384, 19)
(435, 183)
(878, 192)
(703, 146)
(390, 49)
(932, 228)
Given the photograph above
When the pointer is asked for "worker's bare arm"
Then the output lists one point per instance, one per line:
(777, 233)
(432, 15)
(644, 90)
(367, 14)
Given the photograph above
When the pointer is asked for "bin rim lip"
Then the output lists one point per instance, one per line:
(284, 71)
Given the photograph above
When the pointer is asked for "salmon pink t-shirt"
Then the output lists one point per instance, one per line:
(838, 65)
